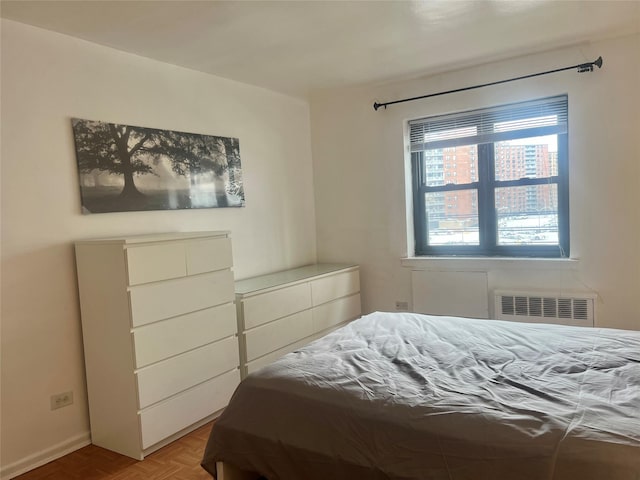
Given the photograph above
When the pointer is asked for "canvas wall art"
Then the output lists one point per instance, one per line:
(127, 168)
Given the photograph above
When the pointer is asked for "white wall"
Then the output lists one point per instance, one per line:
(361, 165)
(48, 78)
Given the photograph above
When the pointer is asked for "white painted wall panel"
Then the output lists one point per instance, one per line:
(364, 212)
(457, 294)
(48, 78)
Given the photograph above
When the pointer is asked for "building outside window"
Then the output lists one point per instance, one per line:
(506, 193)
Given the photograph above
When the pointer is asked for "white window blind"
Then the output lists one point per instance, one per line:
(546, 116)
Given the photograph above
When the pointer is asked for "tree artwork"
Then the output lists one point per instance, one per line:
(124, 168)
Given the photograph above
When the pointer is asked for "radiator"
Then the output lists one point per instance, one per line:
(575, 308)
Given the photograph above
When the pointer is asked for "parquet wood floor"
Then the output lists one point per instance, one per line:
(179, 460)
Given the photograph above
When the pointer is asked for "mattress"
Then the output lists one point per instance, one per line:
(405, 396)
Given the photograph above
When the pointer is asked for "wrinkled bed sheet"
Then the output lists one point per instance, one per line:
(408, 396)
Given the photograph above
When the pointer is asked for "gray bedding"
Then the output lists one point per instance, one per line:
(407, 396)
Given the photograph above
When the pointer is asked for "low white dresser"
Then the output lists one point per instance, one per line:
(282, 311)
(160, 336)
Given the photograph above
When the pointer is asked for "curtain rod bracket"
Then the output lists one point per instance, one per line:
(582, 68)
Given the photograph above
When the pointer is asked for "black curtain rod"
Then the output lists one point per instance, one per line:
(582, 67)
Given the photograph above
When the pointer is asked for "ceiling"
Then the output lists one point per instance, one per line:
(296, 47)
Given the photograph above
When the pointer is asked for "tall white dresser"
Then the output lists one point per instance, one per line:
(160, 336)
(282, 311)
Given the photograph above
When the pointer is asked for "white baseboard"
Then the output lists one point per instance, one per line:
(44, 456)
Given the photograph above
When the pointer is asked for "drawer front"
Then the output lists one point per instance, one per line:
(336, 286)
(275, 355)
(338, 311)
(166, 418)
(208, 255)
(153, 302)
(276, 304)
(176, 374)
(152, 263)
(258, 363)
(171, 337)
(277, 334)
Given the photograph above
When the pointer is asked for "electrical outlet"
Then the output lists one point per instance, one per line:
(402, 306)
(61, 400)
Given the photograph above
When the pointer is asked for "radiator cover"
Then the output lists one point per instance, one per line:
(573, 308)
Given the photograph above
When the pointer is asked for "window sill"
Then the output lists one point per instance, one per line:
(488, 263)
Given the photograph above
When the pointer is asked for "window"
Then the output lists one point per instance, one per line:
(507, 193)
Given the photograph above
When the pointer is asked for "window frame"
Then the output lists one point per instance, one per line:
(486, 186)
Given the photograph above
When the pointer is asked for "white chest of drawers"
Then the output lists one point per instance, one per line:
(160, 336)
(282, 311)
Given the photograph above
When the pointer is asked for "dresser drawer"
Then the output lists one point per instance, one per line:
(167, 338)
(329, 288)
(157, 301)
(152, 263)
(263, 308)
(178, 412)
(273, 356)
(176, 374)
(277, 334)
(338, 311)
(208, 255)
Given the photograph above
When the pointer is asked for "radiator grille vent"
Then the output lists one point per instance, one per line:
(568, 309)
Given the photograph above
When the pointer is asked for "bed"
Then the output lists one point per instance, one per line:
(405, 396)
